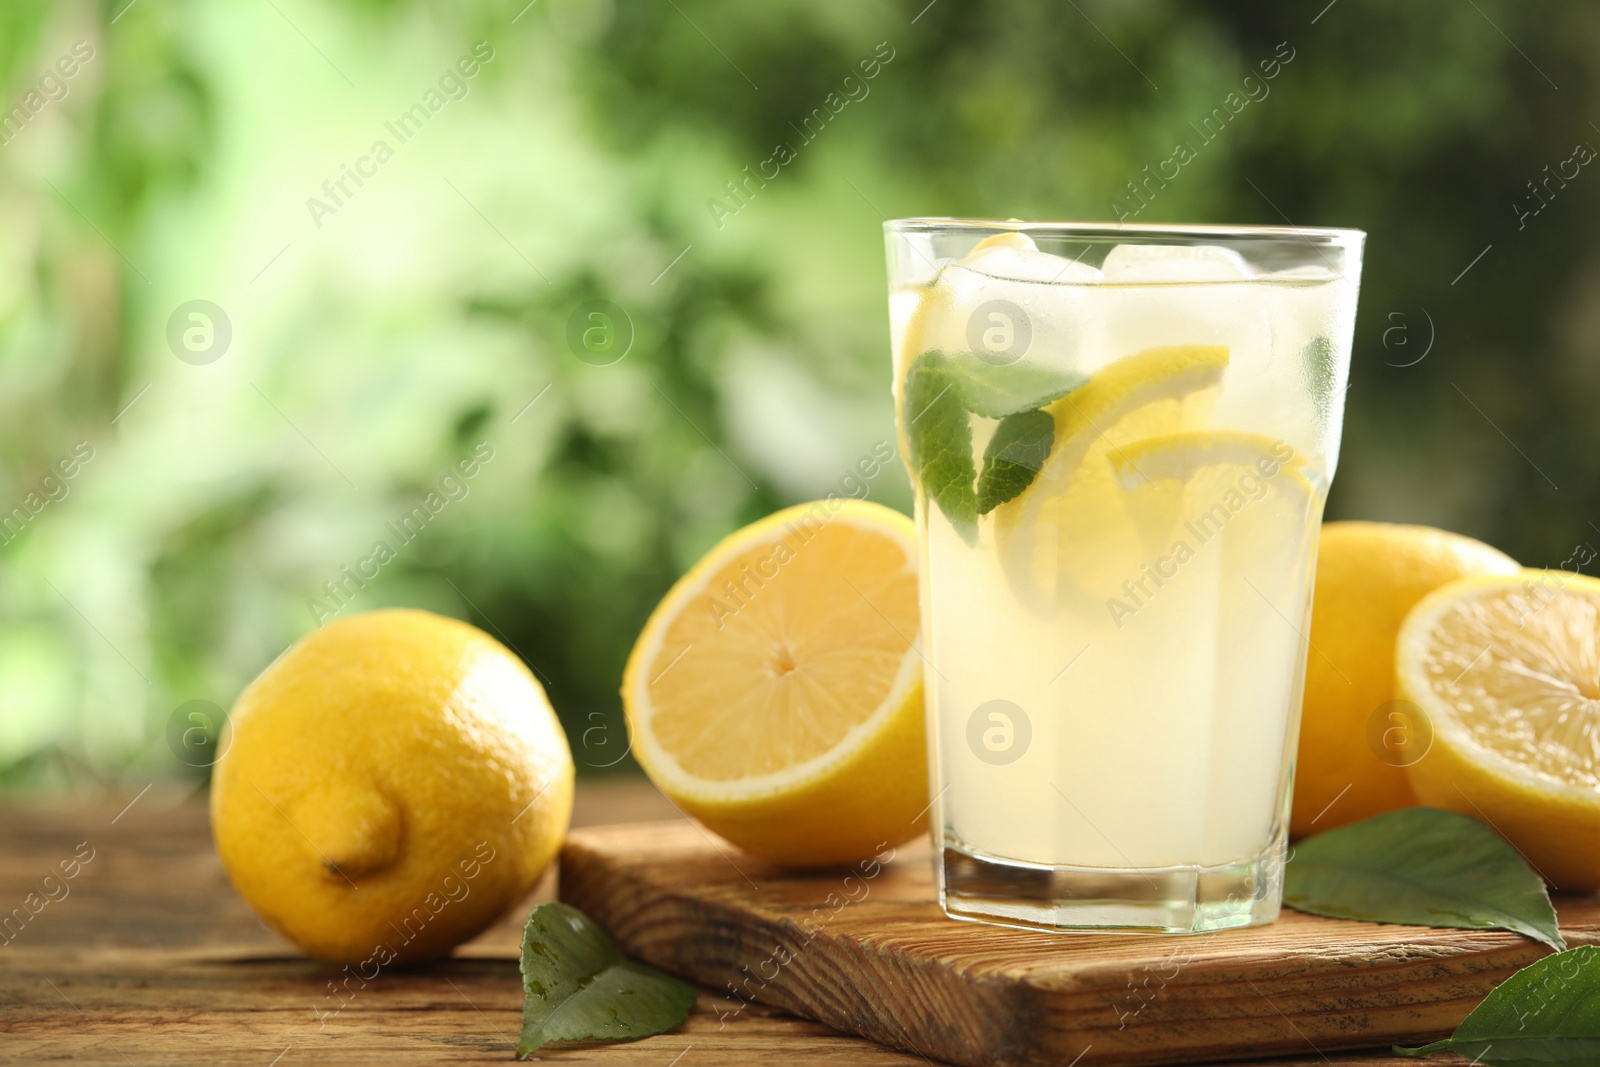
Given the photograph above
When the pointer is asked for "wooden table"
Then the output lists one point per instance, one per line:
(151, 958)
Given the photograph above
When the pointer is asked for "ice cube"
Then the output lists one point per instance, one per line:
(1014, 257)
(1006, 301)
(1175, 263)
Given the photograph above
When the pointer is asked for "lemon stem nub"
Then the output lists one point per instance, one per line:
(355, 829)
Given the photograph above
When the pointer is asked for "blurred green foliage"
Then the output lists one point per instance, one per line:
(375, 345)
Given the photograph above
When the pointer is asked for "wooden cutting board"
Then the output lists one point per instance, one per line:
(869, 951)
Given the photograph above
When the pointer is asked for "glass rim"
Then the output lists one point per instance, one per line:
(1130, 232)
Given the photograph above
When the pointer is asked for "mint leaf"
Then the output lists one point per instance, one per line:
(940, 396)
(997, 390)
(940, 435)
(577, 985)
(1423, 867)
(1014, 457)
(1546, 1013)
(1317, 360)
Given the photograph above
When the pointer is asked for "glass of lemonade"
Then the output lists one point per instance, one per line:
(1121, 439)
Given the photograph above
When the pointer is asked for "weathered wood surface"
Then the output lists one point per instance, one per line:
(875, 956)
(151, 958)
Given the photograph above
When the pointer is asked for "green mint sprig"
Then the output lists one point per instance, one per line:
(940, 436)
(941, 394)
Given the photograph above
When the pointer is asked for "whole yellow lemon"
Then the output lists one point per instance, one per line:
(389, 786)
(1355, 737)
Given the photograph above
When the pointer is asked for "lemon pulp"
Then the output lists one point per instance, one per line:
(776, 693)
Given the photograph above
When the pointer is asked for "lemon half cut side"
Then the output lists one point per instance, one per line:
(776, 692)
(1507, 669)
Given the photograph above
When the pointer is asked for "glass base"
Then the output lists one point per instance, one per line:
(1173, 900)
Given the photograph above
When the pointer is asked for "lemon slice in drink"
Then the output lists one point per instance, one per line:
(1247, 490)
(1073, 522)
(1222, 591)
(1182, 457)
(1206, 477)
(776, 692)
(1507, 670)
(1138, 395)
(923, 307)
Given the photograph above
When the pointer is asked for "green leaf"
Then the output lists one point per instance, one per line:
(1423, 867)
(1547, 1013)
(1014, 457)
(577, 985)
(1317, 359)
(942, 393)
(940, 434)
(995, 390)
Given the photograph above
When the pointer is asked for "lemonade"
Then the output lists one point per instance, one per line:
(1121, 440)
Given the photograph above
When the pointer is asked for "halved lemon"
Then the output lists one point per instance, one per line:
(776, 692)
(1072, 527)
(1507, 670)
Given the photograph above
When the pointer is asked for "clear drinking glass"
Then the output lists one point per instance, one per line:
(1121, 439)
